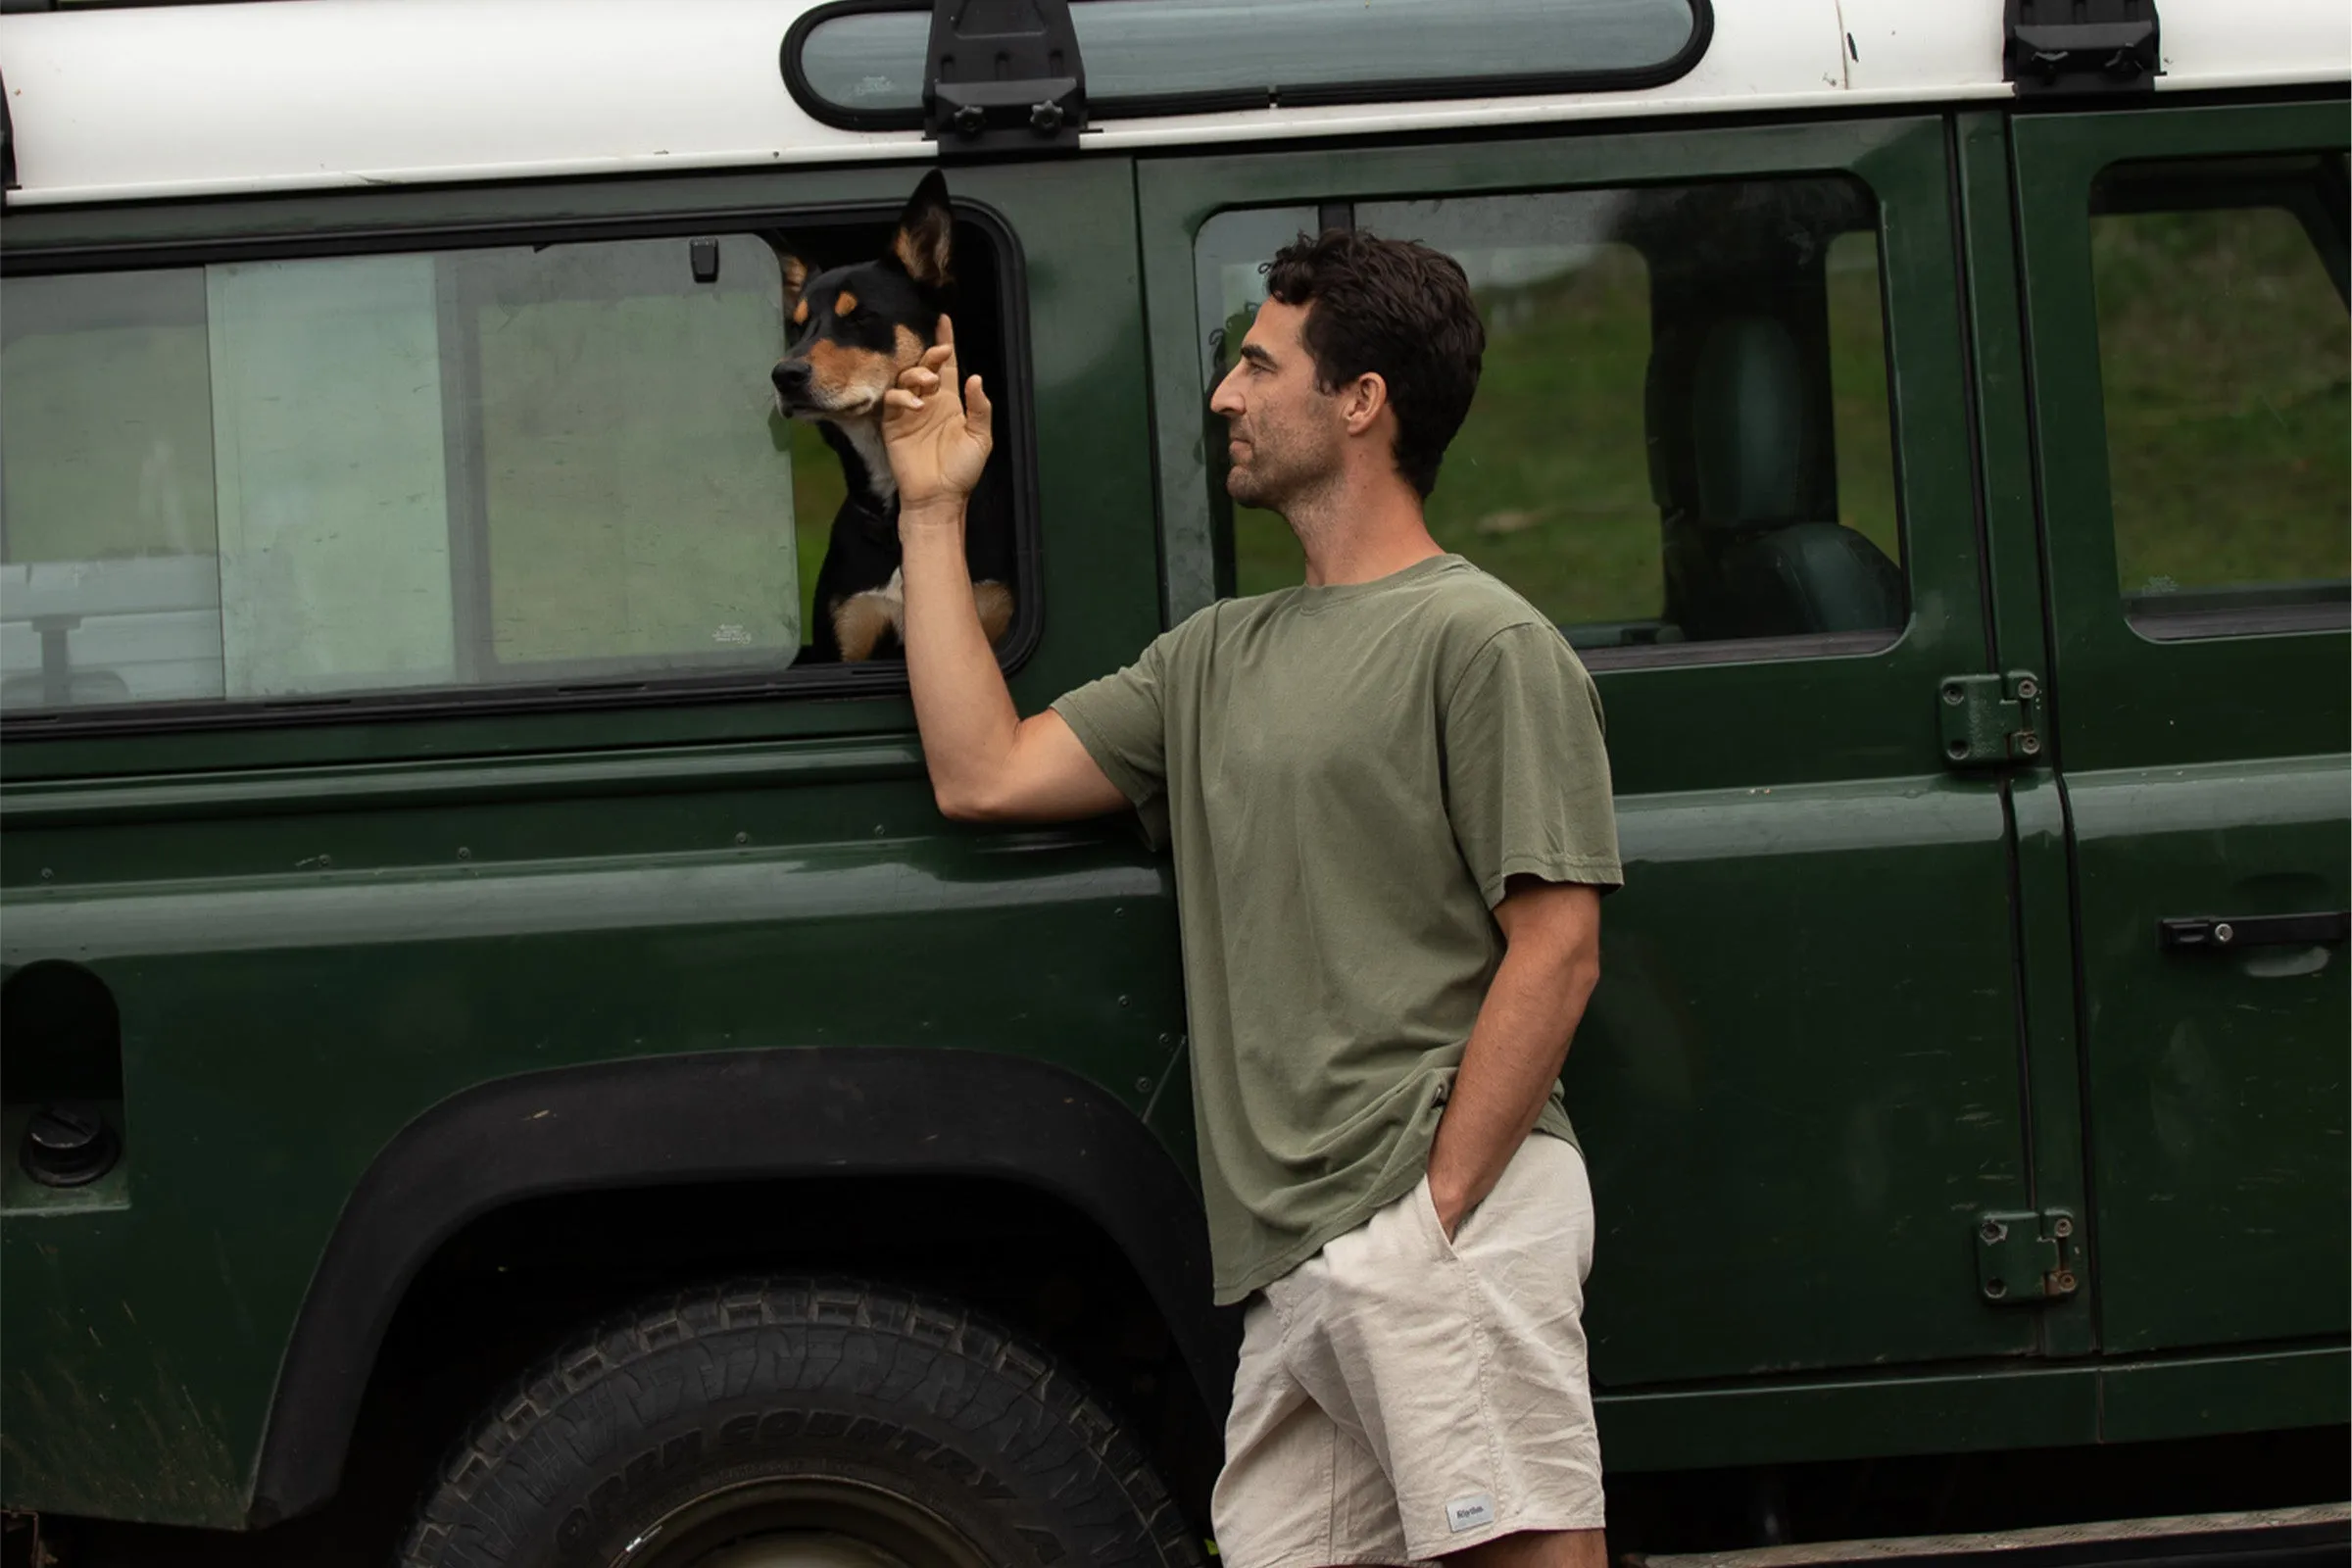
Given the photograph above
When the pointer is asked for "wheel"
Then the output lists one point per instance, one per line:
(798, 1424)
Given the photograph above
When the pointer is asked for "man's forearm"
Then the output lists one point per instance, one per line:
(1512, 1058)
(960, 700)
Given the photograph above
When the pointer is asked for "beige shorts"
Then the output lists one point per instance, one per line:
(1401, 1397)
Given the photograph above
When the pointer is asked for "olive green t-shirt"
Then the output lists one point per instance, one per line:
(1347, 775)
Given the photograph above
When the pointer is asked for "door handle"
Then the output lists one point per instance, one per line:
(2219, 933)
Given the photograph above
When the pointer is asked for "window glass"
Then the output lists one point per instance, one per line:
(2223, 351)
(1273, 50)
(279, 479)
(1682, 431)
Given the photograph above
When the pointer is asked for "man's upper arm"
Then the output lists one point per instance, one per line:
(1051, 776)
(1527, 770)
(1119, 724)
(1563, 917)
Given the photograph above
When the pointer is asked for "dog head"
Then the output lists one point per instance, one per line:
(851, 329)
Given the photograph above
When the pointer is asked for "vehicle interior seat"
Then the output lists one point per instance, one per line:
(1773, 565)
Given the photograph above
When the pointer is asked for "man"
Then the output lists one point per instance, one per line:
(1390, 810)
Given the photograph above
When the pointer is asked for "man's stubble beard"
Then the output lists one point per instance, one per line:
(1295, 496)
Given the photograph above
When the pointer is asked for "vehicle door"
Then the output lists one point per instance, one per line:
(2184, 283)
(1722, 439)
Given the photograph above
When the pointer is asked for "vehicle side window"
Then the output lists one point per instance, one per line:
(1681, 432)
(421, 475)
(2223, 345)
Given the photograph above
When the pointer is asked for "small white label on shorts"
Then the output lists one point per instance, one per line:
(1468, 1513)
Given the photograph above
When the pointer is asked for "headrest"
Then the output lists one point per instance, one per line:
(1750, 443)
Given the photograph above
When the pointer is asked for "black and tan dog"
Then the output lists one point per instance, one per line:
(853, 329)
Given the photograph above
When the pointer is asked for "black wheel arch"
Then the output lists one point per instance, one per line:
(830, 1112)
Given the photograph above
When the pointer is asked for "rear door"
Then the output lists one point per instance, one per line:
(1800, 1087)
(2185, 282)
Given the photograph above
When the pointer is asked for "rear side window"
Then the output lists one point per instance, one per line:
(860, 63)
(2223, 352)
(306, 478)
(1681, 432)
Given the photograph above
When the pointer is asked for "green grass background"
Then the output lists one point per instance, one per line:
(2222, 363)
(2223, 356)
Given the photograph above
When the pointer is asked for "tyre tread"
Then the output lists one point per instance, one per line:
(1100, 1470)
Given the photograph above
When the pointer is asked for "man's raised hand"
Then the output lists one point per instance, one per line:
(936, 441)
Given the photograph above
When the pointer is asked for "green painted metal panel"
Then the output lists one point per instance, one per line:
(2205, 776)
(315, 934)
(2191, 1397)
(1946, 1412)
(2217, 1080)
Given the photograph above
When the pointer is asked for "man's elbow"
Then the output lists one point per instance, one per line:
(1583, 970)
(961, 801)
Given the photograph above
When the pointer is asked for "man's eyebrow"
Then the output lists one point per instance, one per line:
(1257, 355)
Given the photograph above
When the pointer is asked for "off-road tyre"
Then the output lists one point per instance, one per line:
(849, 1410)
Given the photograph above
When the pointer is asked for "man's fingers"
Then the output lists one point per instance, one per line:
(917, 380)
(937, 355)
(947, 331)
(979, 416)
(900, 398)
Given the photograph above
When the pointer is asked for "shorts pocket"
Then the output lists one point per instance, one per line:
(1425, 1205)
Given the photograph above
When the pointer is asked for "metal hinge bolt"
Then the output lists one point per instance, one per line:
(2026, 1260)
(1991, 719)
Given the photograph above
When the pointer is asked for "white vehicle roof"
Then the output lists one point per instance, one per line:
(148, 103)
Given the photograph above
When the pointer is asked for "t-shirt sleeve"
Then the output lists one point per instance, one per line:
(1527, 774)
(1121, 719)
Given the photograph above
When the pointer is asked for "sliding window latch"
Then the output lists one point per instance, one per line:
(1002, 75)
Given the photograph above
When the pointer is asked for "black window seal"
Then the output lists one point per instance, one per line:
(1521, 85)
(793, 683)
(2317, 614)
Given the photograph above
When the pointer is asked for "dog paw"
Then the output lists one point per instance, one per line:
(994, 602)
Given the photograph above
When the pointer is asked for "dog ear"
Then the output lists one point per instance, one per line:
(796, 273)
(926, 234)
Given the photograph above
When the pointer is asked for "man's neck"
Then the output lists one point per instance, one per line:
(1360, 532)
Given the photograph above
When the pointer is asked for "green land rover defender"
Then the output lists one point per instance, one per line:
(501, 1046)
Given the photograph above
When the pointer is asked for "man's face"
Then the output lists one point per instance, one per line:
(1285, 435)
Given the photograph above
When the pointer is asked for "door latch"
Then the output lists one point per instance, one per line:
(2024, 1259)
(1990, 721)
(2219, 933)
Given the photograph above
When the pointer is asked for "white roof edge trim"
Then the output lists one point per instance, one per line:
(258, 98)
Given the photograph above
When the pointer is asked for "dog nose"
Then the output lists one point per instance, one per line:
(792, 376)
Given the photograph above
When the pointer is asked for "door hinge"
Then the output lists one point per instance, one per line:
(1991, 719)
(2026, 1260)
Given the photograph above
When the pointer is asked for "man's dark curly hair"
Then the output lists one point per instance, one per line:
(1397, 309)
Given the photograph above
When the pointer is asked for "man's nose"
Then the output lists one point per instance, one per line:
(791, 376)
(1223, 400)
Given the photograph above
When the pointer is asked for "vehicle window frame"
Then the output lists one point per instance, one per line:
(826, 111)
(1864, 713)
(2055, 158)
(1628, 655)
(588, 691)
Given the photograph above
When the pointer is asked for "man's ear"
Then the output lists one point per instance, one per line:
(926, 234)
(1366, 397)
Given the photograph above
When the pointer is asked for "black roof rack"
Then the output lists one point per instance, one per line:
(2079, 46)
(1002, 75)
